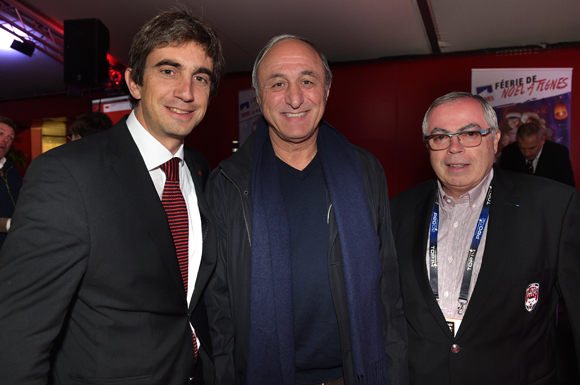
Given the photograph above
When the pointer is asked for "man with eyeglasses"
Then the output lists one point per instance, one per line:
(484, 257)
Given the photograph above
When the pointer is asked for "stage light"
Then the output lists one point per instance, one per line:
(25, 46)
(6, 38)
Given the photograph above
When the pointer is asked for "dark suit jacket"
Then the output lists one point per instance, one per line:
(9, 191)
(533, 237)
(554, 162)
(89, 279)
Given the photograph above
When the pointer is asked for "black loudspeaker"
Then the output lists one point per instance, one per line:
(86, 43)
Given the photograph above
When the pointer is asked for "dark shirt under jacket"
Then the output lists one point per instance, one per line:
(318, 354)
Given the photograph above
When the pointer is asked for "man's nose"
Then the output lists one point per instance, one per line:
(294, 96)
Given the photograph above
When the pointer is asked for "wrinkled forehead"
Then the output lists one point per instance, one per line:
(457, 116)
(291, 53)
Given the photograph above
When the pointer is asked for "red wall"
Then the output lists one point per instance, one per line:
(378, 106)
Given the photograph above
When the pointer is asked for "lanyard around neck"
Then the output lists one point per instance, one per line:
(468, 272)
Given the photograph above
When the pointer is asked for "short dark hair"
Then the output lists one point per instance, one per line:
(174, 28)
(9, 122)
(528, 130)
(89, 124)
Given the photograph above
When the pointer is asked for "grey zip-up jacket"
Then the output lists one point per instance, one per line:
(227, 296)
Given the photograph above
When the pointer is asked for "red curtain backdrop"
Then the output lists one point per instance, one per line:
(376, 105)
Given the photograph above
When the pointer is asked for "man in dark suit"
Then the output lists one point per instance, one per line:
(10, 189)
(534, 155)
(484, 257)
(91, 288)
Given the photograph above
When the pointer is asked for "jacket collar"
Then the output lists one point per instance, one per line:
(504, 210)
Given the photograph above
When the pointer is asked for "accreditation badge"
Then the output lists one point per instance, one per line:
(532, 295)
(453, 324)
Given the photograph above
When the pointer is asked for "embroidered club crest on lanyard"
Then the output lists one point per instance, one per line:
(532, 294)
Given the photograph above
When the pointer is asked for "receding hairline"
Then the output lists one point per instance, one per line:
(313, 51)
(454, 102)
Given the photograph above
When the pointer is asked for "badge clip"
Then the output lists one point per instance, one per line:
(461, 307)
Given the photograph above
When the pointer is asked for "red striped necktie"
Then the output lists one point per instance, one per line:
(176, 211)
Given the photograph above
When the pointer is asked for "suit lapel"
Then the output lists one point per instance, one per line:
(423, 216)
(136, 181)
(207, 261)
(502, 213)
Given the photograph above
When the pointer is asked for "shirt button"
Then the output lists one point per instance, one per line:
(450, 259)
(455, 348)
(456, 224)
(448, 200)
(474, 205)
(446, 294)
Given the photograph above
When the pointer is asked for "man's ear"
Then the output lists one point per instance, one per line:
(258, 99)
(134, 88)
(496, 141)
(328, 90)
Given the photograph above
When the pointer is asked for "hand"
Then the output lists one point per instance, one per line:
(4, 225)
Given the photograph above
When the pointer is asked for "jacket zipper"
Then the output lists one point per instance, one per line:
(243, 205)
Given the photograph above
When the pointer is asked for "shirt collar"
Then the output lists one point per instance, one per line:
(2, 162)
(152, 151)
(539, 153)
(475, 196)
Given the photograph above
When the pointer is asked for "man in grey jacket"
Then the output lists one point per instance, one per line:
(306, 288)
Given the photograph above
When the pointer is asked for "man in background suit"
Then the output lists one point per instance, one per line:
(534, 155)
(10, 189)
(484, 257)
(91, 289)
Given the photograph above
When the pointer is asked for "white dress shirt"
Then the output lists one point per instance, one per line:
(155, 154)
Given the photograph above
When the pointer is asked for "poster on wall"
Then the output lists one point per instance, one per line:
(527, 95)
(250, 113)
(115, 108)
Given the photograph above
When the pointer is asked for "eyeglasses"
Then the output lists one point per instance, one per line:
(440, 141)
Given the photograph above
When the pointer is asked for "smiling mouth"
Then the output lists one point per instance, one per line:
(297, 115)
(178, 111)
(458, 165)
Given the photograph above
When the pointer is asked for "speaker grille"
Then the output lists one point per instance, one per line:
(86, 43)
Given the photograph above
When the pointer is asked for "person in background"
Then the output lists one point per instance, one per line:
(533, 154)
(102, 274)
(306, 288)
(484, 255)
(89, 124)
(11, 178)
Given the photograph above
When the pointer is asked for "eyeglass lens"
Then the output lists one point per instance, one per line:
(466, 139)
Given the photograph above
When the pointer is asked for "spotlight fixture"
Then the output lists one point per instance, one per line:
(26, 46)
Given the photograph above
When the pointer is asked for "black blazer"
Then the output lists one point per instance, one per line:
(554, 162)
(9, 191)
(90, 289)
(533, 237)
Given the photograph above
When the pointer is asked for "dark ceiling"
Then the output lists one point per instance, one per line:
(345, 30)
